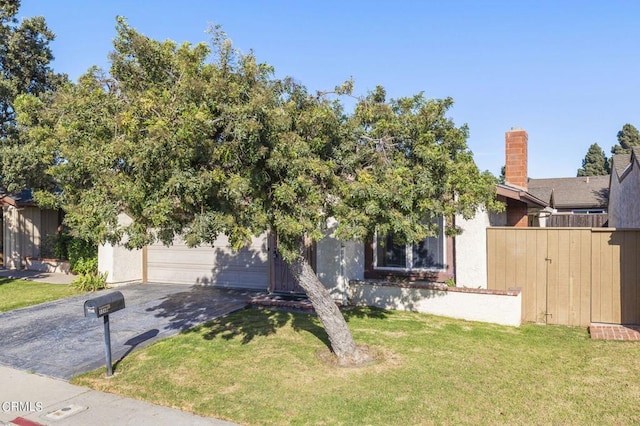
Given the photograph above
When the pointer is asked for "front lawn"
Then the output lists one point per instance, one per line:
(16, 294)
(263, 367)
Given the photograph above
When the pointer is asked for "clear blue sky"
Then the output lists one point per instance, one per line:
(568, 72)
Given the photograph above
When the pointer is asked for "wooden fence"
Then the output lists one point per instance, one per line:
(568, 276)
(577, 220)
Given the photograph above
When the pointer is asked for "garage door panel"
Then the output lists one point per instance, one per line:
(215, 265)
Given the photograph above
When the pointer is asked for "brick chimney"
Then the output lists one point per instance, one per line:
(515, 172)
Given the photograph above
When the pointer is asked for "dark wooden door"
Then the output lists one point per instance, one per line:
(281, 279)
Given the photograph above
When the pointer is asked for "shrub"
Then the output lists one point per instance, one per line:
(91, 281)
(80, 252)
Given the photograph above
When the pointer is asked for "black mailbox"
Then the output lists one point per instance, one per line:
(104, 305)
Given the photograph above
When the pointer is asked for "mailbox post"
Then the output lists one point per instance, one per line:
(102, 306)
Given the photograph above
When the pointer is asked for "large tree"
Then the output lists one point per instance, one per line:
(25, 58)
(201, 140)
(595, 162)
(628, 137)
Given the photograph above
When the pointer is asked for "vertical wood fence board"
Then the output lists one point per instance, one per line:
(511, 279)
(540, 290)
(584, 266)
(499, 260)
(553, 269)
(596, 287)
(563, 265)
(530, 304)
(616, 240)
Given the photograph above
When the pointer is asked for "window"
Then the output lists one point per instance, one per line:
(588, 211)
(428, 254)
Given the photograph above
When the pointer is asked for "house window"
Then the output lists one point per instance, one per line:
(588, 211)
(428, 254)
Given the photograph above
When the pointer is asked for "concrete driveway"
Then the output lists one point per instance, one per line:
(55, 339)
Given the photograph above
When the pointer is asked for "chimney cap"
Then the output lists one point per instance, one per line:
(514, 128)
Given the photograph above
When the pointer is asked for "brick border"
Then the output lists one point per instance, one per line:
(615, 332)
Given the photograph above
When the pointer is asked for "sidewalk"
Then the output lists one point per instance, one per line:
(30, 400)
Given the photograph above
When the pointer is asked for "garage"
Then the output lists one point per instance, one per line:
(218, 265)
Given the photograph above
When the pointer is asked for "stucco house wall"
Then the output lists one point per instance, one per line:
(120, 264)
(471, 248)
(338, 262)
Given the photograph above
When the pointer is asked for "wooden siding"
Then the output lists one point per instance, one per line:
(568, 276)
(23, 231)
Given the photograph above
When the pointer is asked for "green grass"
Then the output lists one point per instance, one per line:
(16, 294)
(262, 367)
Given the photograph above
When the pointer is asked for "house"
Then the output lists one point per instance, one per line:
(23, 228)
(436, 259)
(624, 190)
(573, 201)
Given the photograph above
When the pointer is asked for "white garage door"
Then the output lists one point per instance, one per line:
(218, 265)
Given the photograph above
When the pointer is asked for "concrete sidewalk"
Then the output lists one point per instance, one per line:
(30, 399)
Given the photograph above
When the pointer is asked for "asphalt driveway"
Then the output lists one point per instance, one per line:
(55, 339)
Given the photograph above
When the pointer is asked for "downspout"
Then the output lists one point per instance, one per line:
(343, 279)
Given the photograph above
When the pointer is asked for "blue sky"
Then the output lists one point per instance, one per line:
(566, 71)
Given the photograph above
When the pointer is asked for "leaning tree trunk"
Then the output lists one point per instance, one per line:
(340, 337)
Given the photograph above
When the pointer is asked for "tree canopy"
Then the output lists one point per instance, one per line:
(201, 140)
(628, 137)
(595, 163)
(25, 58)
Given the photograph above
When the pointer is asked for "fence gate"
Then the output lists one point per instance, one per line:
(552, 266)
(615, 276)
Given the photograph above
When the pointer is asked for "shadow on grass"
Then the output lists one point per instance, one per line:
(251, 323)
(134, 342)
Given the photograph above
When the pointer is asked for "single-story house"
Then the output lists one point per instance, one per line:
(573, 201)
(23, 228)
(437, 259)
(624, 190)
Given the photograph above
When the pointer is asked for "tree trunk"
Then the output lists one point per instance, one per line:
(340, 337)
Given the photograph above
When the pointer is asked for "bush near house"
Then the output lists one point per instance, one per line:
(83, 260)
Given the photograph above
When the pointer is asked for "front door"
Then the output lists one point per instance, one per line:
(281, 279)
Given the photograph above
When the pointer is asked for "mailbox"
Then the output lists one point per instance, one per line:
(104, 305)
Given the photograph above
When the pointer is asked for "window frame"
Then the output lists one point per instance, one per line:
(409, 251)
(437, 275)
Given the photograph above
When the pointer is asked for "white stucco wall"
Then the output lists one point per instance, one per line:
(487, 306)
(120, 264)
(337, 262)
(471, 251)
(471, 248)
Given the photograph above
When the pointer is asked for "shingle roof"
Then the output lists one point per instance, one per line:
(22, 198)
(620, 162)
(514, 193)
(578, 192)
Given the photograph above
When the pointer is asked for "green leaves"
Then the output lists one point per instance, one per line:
(201, 140)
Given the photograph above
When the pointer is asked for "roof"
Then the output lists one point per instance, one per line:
(577, 192)
(22, 198)
(519, 194)
(620, 162)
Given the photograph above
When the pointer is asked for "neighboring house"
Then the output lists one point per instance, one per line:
(573, 201)
(624, 190)
(23, 227)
